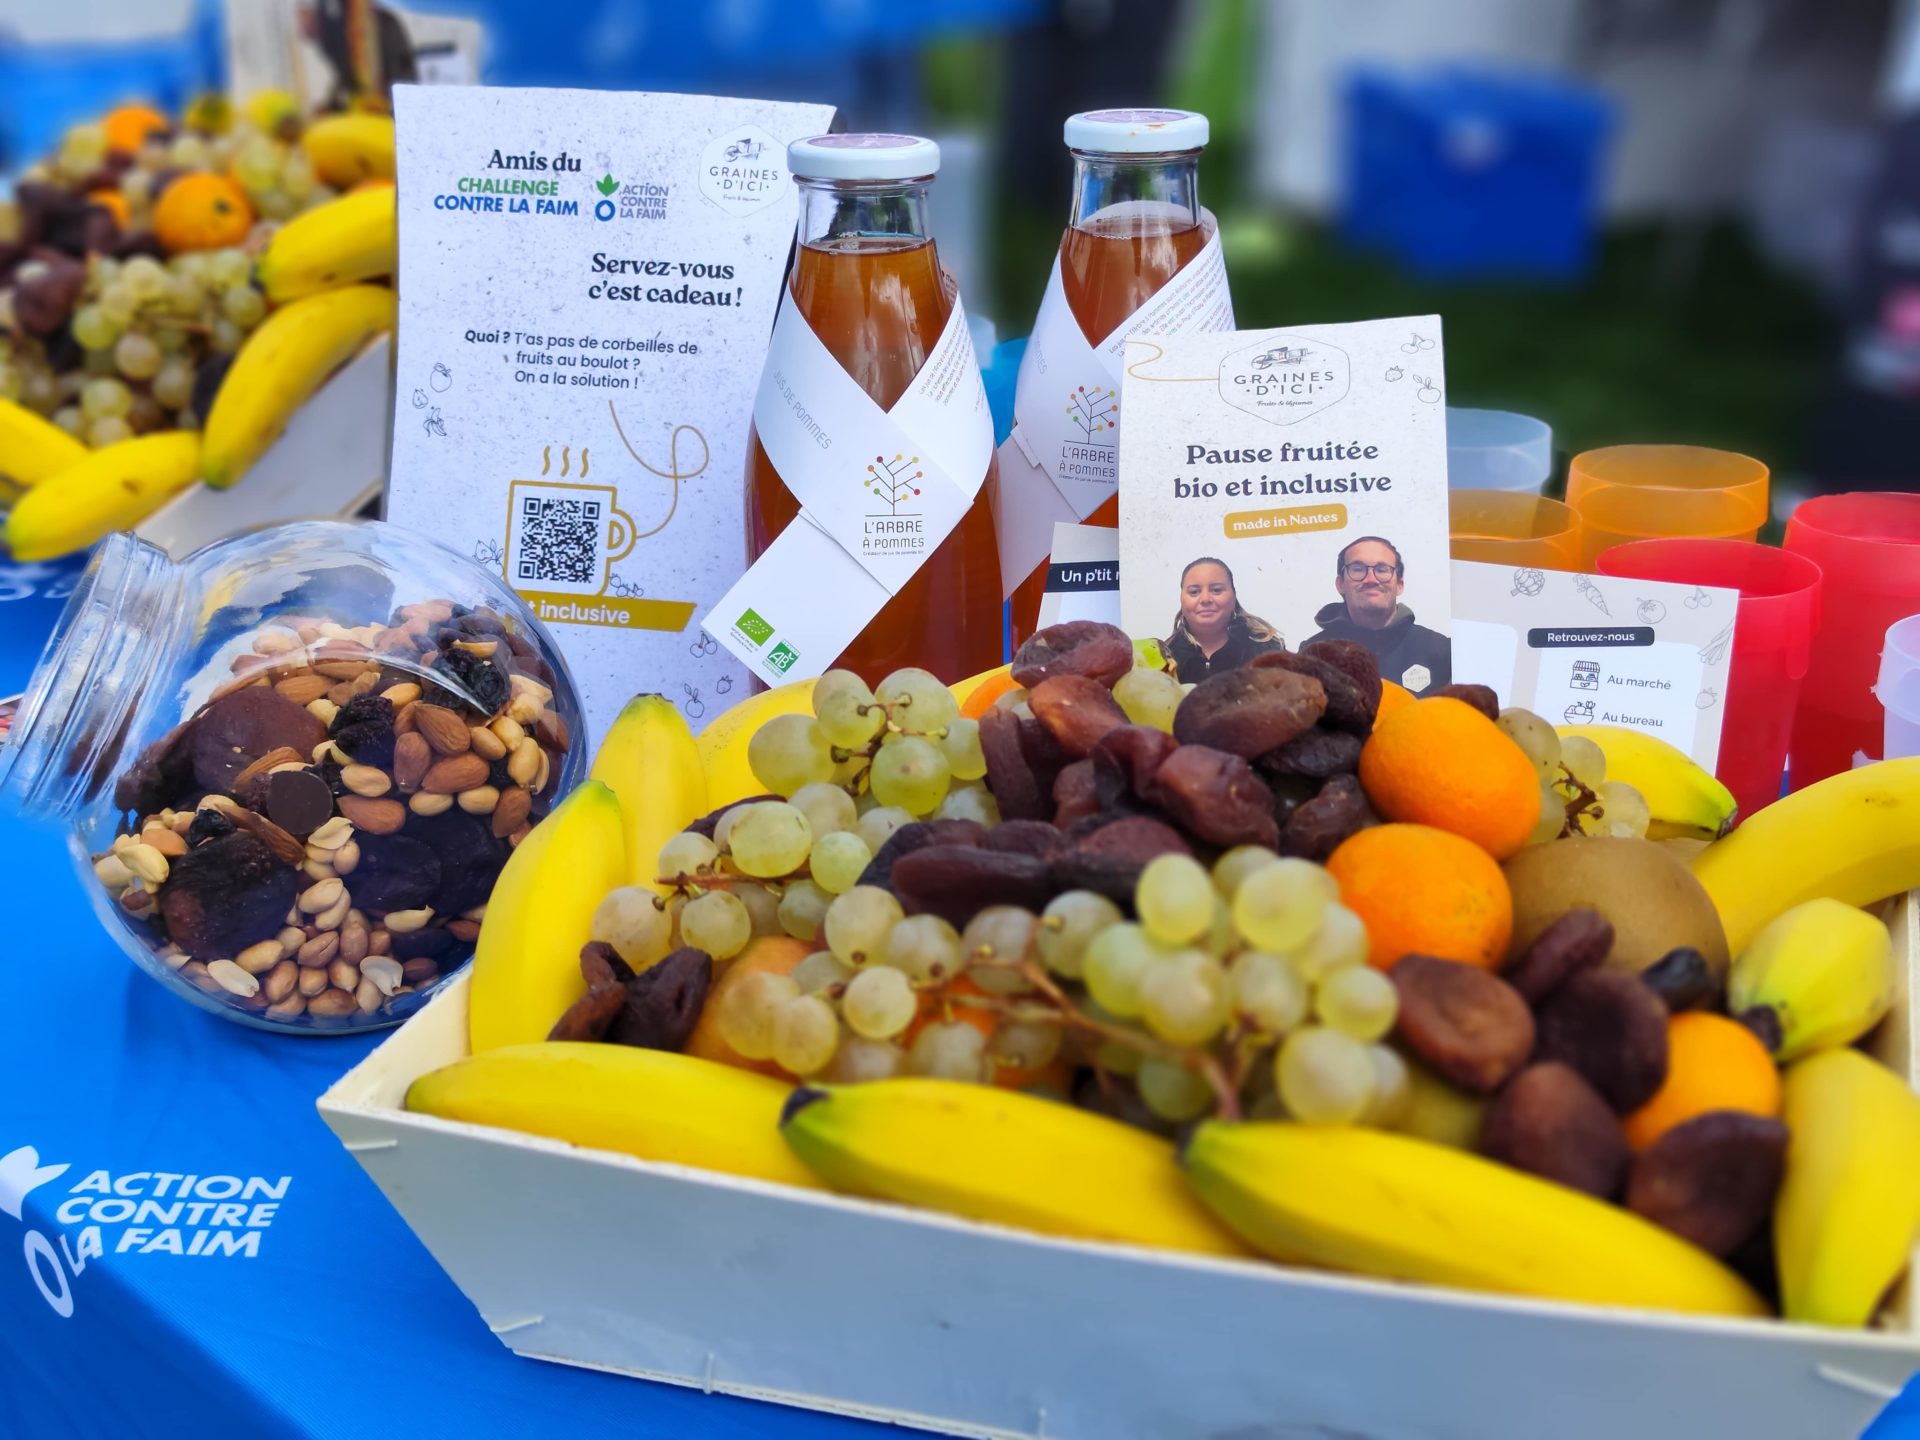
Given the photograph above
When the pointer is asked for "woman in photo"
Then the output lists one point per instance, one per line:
(1213, 632)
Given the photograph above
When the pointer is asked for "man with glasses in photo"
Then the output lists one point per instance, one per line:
(1370, 576)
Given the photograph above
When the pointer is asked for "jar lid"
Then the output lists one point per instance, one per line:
(1136, 132)
(863, 157)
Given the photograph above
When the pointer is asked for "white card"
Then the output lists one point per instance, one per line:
(1276, 453)
(587, 281)
(1083, 576)
(1598, 649)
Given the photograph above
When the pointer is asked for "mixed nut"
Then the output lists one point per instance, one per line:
(319, 839)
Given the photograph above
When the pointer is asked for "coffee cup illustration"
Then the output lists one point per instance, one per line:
(565, 536)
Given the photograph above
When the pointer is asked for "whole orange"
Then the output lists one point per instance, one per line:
(128, 127)
(1713, 1063)
(201, 212)
(1392, 697)
(777, 954)
(1424, 891)
(1440, 762)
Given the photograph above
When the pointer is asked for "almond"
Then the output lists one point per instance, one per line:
(551, 731)
(288, 850)
(341, 669)
(303, 689)
(446, 732)
(455, 773)
(403, 723)
(511, 812)
(376, 817)
(282, 755)
(411, 757)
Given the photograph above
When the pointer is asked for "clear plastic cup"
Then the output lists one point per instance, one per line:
(1900, 655)
(1511, 527)
(1901, 735)
(1868, 546)
(1779, 609)
(1497, 450)
(1647, 492)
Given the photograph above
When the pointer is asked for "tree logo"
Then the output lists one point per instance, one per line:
(1095, 413)
(892, 481)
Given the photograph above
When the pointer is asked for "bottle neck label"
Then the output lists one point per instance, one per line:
(878, 489)
(1062, 461)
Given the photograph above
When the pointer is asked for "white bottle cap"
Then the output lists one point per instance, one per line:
(1136, 132)
(863, 157)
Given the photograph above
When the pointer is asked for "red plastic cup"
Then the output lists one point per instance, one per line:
(1868, 547)
(1780, 604)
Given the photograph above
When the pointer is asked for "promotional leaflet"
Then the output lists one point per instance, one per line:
(1083, 576)
(1286, 485)
(587, 280)
(1598, 649)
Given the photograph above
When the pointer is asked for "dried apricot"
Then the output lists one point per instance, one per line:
(1579, 940)
(1713, 1180)
(1216, 796)
(1249, 711)
(1470, 1026)
(1550, 1122)
(1076, 647)
(1613, 1030)
(1076, 711)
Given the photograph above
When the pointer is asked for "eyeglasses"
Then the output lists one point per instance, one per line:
(1385, 570)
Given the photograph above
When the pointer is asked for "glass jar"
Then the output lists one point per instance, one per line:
(294, 762)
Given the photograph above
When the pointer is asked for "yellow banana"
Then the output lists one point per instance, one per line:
(649, 761)
(962, 690)
(346, 149)
(526, 964)
(1683, 798)
(1405, 1209)
(268, 110)
(993, 1154)
(280, 366)
(112, 488)
(343, 241)
(652, 1104)
(1819, 976)
(1854, 836)
(1848, 1217)
(32, 447)
(723, 744)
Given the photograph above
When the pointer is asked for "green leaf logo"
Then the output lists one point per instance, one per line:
(606, 184)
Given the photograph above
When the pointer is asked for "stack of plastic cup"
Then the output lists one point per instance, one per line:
(1779, 609)
(1899, 688)
(1512, 527)
(1652, 492)
(1497, 450)
(1868, 546)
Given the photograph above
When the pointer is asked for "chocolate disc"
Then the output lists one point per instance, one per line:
(298, 801)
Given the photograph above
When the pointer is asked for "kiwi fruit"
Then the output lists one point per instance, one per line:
(1641, 886)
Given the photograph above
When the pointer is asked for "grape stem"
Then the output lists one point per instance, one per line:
(1582, 798)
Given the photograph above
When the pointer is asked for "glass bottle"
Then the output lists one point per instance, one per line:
(1135, 221)
(867, 278)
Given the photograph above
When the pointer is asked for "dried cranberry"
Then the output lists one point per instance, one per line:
(473, 677)
(208, 824)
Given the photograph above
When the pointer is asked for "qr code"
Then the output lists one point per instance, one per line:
(559, 540)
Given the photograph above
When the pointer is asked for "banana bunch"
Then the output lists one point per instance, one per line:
(722, 746)
(650, 762)
(1848, 1215)
(986, 1153)
(342, 242)
(1403, 1209)
(652, 1104)
(33, 447)
(279, 368)
(1685, 800)
(1817, 977)
(112, 488)
(1853, 837)
(526, 963)
(348, 149)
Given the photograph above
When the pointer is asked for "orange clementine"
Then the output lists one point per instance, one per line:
(1440, 762)
(111, 201)
(777, 954)
(1713, 1063)
(1424, 891)
(1392, 697)
(201, 212)
(128, 127)
(980, 699)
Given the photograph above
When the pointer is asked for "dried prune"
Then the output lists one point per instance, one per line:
(1076, 710)
(396, 872)
(1613, 1030)
(161, 774)
(1217, 796)
(1249, 711)
(1076, 793)
(1316, 827)
(223, 896)
(1109, 860)
(1469, 1025)
(589, 1016)
(428, 943)
(1349, 706)
(1078, 647)
(1353, 660)
(1712, 1179)
(957, 881)
(238, 729)
(1011, 779)
(663, 1002)
(918, 835)
(1683, 980)
(1480, 697)
(470, 858)
(1317, 754)
(363, 728)
(1133, 754)
(1025, 837)
(1579, 940)
(1550, 1122)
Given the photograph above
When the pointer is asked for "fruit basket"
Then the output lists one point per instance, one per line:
(697, 1278)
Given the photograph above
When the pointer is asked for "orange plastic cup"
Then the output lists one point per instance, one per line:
(1511, 527)
(1658, 492)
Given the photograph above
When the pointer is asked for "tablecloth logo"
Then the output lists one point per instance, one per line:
(141, 1212)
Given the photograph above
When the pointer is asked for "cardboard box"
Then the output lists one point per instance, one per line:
(700, 1279)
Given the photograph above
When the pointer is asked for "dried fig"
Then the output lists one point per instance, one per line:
(1712, 1180)
(1550, 1122)
(662, 1003)
(1009, 776)
(1579, 940)
(1316, 827)
(1469, 1025)
(1249, 711)
(1076, 711)
(1078, 647)
(1611, 1028)
(1217, 796)
(955, 882)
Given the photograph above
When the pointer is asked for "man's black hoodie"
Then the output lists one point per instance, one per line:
(1403, 648)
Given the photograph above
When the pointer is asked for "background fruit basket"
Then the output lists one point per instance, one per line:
(701, 1279)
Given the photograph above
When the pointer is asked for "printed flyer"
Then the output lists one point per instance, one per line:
(1282, 486)
(587, 284)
